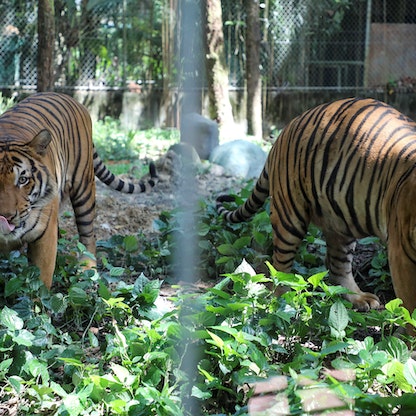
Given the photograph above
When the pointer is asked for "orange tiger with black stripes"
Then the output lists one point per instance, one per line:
(350, 168)
(46, 155)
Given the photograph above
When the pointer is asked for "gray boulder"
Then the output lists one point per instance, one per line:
(200, 132)
(240, 158)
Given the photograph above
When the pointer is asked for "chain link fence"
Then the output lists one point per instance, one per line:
(334, 45)
(18, 42)
(305, 44)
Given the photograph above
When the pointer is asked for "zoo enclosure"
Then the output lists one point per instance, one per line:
(131, 45)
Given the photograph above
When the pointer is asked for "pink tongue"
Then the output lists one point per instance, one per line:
(5, 226)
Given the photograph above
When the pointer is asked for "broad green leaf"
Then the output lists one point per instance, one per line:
(72, 405)
(155, 355)
(121, 372)
(217, 340)
(93, 339)
(241, 242)
(17, 383)
(86, 392)
(394, 305)
(116, 271)
(12, 286)
(209, 377)
(259, 238)
(409, 371)
(116, 303)
(317, 278)
(251, 365)
(37, 368)
(130, 243)
(220, 310)
(24, 337)
(334, 347)
(205, 245)
(338, 319)
(103, 291)
(199, 394)
(223, 259)
(57, 389)
(77, 296)
(58, 303)
(395, 369)
(140, 283)
(237, 306)
(396, 348)
(4, 365)
(72, 361)
(226, 250)
(118, 406)
(204, 229)
(10, 319)
(220, 293)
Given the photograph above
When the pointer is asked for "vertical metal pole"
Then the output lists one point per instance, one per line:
(186, 253)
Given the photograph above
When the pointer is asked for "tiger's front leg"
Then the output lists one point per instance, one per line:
(340, 251)
(42, 252)
(83, 204)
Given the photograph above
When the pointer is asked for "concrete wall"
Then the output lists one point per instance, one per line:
(145, 109)
(391, 52)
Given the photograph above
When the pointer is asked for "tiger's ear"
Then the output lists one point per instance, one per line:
(40, 142)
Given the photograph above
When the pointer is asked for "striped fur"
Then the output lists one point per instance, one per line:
(46, 155)
(349, 167)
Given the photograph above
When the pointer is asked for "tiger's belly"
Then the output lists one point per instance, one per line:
(362, 224)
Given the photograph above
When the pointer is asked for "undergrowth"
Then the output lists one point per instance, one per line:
(108, 342)
(114, 143)
(112, 342)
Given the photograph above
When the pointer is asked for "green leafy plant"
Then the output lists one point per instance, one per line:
(112, 342)
(114, 143)
(121, 349)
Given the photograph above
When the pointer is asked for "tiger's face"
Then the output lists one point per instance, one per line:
(26, 186)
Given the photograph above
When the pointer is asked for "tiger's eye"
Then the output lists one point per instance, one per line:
(23, 180)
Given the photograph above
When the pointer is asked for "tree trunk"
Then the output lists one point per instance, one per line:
(216, 68)
(253, 76)
(46, 41)
(169, 105)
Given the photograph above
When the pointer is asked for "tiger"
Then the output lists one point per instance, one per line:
(47, 155)
(349, 167)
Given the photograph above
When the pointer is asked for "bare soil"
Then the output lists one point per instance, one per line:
(125, 214)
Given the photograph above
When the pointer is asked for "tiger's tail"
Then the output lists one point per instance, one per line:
(104, 175)
(251, 206)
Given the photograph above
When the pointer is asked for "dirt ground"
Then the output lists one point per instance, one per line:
(125, 214)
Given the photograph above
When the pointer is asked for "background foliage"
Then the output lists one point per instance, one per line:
(113, 43)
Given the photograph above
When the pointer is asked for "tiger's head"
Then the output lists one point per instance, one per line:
(26, 185)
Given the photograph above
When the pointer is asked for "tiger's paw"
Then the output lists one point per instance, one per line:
(364, 301)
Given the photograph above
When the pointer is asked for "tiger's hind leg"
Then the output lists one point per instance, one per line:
(340, 251)
(288, 235)
(401, 246)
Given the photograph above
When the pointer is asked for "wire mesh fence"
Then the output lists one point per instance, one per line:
(305, 44)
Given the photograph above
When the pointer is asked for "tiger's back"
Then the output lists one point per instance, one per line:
(46, 155)
(341, 166)
(348, 167)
